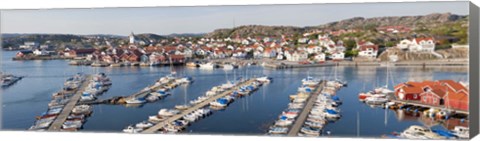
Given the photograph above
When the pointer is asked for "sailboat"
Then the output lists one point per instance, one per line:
(185, 105)
(384, 89)
(338, 81)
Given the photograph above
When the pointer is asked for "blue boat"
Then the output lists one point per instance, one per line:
(444, 133)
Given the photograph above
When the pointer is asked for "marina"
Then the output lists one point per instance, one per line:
(204, 103)
(62, 117)
(270, 99)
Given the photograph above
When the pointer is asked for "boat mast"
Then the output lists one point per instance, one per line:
(386, 81)
(358, 124)
(185, 95)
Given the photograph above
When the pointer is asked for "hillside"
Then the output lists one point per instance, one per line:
(255, 30)
(445, 26)
(68, 40)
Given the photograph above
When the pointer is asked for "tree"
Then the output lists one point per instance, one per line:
(351, 53)
(349, 44)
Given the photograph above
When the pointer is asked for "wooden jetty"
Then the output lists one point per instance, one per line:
(62, 117)
(417, 103)
(297, 125)
(115, 100)
(160, 125)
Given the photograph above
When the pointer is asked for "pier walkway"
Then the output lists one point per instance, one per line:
(62, 117)
(297, 125)
(159, 125)
(417, 103)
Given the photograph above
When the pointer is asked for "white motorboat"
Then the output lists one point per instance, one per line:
(462, 132)
(310, 131)
(376, 100)
(135, 101)
(278, 130)
(160, 93)
(131, 129)
(310, 81)
(155, 119)
(143, 125)
(419, 132)
(182, 107)
(166, 112)
(152, 98)
(207, 66)
(264, 79)
(82, 109)
(228, 67)
(314, 124)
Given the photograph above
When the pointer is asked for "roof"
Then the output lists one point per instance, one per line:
(423, 39)
(26, 51)
(85, 51)
(365, 47)
(454, 85)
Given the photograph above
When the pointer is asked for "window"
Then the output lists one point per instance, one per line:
(414, 96)
(434, 99)
(425, 98)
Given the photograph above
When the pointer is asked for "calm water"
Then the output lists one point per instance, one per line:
(247, 116)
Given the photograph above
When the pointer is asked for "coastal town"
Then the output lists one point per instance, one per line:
(237, 68)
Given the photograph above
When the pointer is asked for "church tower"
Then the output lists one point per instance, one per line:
(131, 37)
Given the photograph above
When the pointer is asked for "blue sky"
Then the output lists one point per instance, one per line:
(167, 20)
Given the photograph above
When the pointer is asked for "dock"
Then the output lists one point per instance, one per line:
(417, 103)
(297, 125)
(160, 125)
(62, 117)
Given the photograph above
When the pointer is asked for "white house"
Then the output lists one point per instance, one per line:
(296, 56)
(303, 40)
(314, 49)
(325, 41)
(269, 53)
(418, 44)
(363, 43)
(40, 52)
(423, 44)
(369, 51)
(245, 42)
(280, 56)
(404, 44)
(320, 57)
(337, 56)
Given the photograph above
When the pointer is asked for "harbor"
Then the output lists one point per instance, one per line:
(206, 102)
(67, 109)
(270, 99)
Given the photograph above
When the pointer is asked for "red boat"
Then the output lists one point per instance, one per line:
(46, 116)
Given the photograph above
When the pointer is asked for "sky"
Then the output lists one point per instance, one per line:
(204, 19)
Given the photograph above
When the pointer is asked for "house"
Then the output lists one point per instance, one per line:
(325, 41)
(404, 44)
(177, 58)
(337, 56)
(369, 51)
(296, 55)
(418, 45)
(280, 56)
(363, 43)
(24, 53)
(319, 57)
(269, 53)
(411, 90)
(311, 49)
(302, 40)
(457, 96)
(39, 52)
(79, 52)
(445, 93)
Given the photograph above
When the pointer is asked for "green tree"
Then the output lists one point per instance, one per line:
(351, 53)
